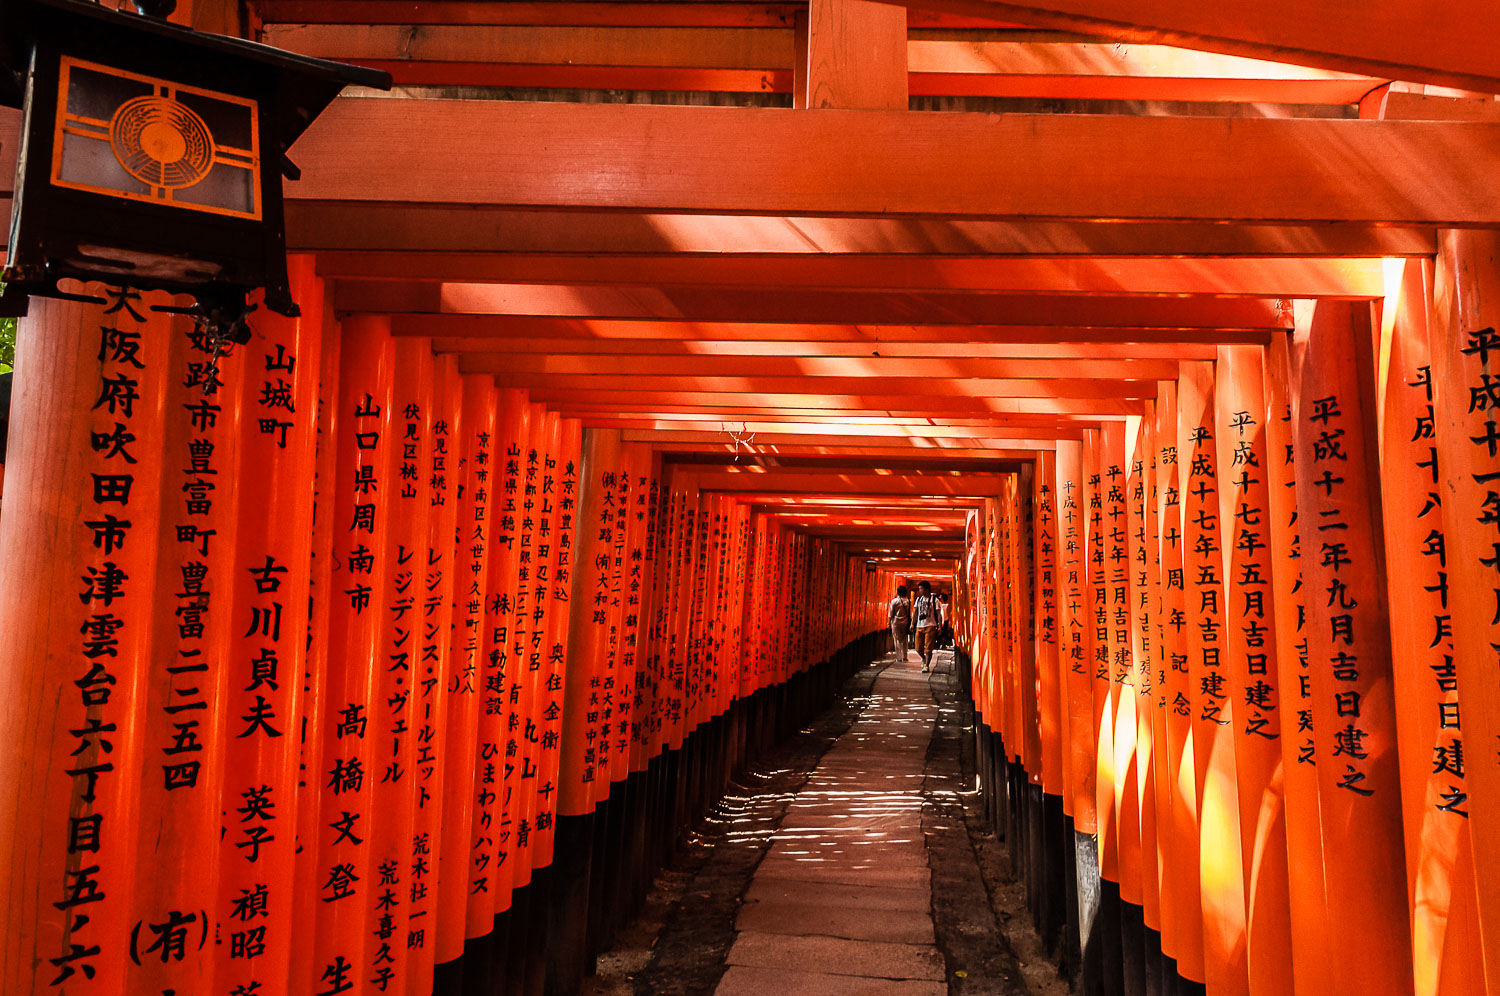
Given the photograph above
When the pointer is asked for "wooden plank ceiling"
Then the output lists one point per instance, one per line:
(849, 291)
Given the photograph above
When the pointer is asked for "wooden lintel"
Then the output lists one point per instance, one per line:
(1449, 42)
(729, 160)
(448, 228)
(1296, 277)
(809, 307)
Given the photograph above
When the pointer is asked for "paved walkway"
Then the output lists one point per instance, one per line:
(841, 904)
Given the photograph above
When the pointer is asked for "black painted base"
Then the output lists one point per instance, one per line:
(1101, 943)
(604, 863)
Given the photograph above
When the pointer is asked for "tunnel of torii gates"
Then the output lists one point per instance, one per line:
(390, 651)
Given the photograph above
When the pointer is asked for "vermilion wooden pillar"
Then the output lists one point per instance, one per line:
(1338, 503)
(184, 703)
(497, 786)
(1251, 652)
(1214, 701)
(1304, 827)
(477, 473)
(361, 522)
(75, 634)
(1465, 358)
(1440, 874)
(1177, 822)
(1142, 605)
(277, 433)
(321, 595)
(391, 750)
(429, 699)
(1046, 595)
(563, 442)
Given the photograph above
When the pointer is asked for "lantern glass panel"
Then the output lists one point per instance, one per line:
(127, 135)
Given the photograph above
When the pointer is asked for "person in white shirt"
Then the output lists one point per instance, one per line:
(899, 614)
(927, 619)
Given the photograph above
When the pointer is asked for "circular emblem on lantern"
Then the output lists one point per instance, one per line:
(161, 142)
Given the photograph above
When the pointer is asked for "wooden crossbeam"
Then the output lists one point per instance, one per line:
(1233, 277)
(741, 348)
(804, 307)
(501, 330)
(409, 228)
(917, 390)
(747, 369)
(1051, 406)
(755, 161)
(1448, 42)
(609, 13)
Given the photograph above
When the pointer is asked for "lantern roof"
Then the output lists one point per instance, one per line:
(294, 89)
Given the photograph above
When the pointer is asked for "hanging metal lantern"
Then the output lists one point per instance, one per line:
(152, 155)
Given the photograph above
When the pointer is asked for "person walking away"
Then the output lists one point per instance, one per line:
(925, 616)
(899, 613)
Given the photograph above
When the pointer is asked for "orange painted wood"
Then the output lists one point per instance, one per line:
(856, 55)
(523, 623)
(563, 441)
(272, 550)
(429, 701)
(1210, 328)
(1141, 599)
(771, 15)
(361, 522)
(586, 45)
(387, 752)
(1078, 634)
(184, 696)
(808, 306)
(1211, 694)
(1446, 952)
(1090, 409)
(477, 461)
(1349, 655)
(1085, 85)
(321, 593)
(1304, 830)
(500, 342)
(1463, 314)
(588, 621)
(1222, 277)
(432, 228)
(68, 830)
(929, 164)
(707, 370)
(1116, 462)
(1251, 652)
(1177, 823)
(1095, 457)
(496, 787)
(980, 387)
(1407, 40)
(1047, 632)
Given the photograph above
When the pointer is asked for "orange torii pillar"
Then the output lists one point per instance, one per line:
(1214, 704)
(1250, 644)
(1077, 623)
(1447, 958)
(1307, 906)
(588, 623)
(1465, 356)
(79, 554)
(1354, 728)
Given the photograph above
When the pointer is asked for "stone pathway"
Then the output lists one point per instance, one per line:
(841, 904)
